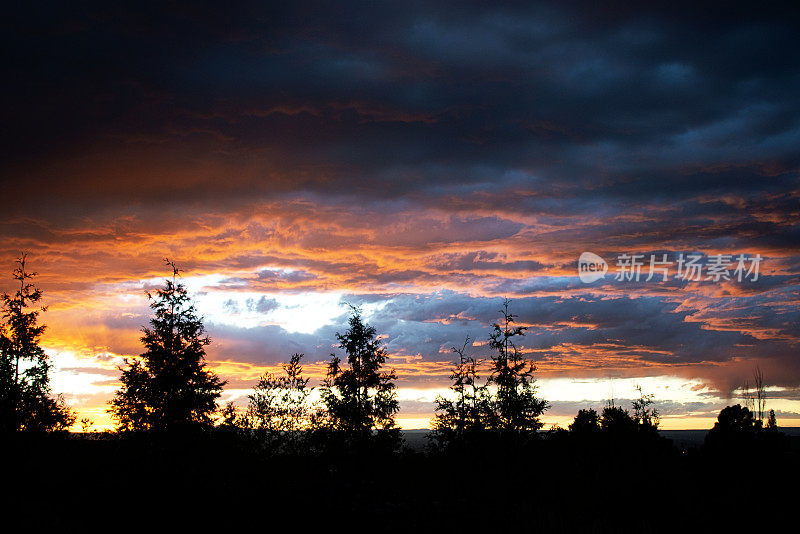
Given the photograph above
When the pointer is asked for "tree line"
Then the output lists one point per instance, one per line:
(169, 387)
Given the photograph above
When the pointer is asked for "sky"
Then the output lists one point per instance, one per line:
(422, 161)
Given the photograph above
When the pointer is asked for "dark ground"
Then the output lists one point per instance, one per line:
(557, 484)
(683, 439)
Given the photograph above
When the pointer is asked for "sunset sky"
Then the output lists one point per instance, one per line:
(422, 162)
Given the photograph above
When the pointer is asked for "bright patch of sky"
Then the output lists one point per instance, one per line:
(303, 312)
(72, 375)
(663, 387)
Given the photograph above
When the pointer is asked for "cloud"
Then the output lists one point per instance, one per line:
(425, 161)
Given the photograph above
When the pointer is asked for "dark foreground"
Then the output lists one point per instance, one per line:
(559, 483)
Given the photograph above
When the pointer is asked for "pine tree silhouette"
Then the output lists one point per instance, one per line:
(459, 418)
(360, 398)
(516, 409)
(168, 386)
(26, 402)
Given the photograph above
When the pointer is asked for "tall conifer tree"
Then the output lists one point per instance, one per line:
(169, 386)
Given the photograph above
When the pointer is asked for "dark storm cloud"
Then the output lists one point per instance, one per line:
(391, 99)
(385, 149)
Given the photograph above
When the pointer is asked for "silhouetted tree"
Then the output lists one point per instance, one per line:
(26, 402)
(585, 421)
(515, 407)
(360, 398)
(760, 393)
(168, 386)
(736, 427)
(279, 407)
(747, 396)
(234, 422)
(464, 414)
(735, 419)
(86, 425)
(231, 416)
(772, 422)
(646, 418)
(616, 420)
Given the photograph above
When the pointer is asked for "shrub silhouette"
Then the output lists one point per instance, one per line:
(736, 427)
(461, 419)
(646, 418)
(279, 408)
(586, 421)
(616, 420)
